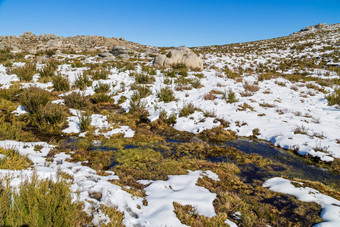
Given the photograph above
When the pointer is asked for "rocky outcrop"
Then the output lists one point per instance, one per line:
(31, 43)
(118, 51)
(179, 55)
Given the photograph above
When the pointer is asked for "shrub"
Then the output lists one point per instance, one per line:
(143, 91)
(51, 118)
(101, 98)
(33, 98)
(82, 81)
(187, 110)
(76, 100)
(40, 203)
(209, 96)
(13, 160)
(144, 79)
(48, 70)
(99, 74)
(166, 95)
(250, 87)
(230, 97)
(137, 106)
(84, 121)
(102, 88)
(26, 72)
(11, 93)
(60, 83)
(334, 98)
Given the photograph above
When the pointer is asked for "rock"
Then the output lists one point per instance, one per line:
(107, 56)
(28, 35)
(179, 55)
(122, 51)
(46, 37)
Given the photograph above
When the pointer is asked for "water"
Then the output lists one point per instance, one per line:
(296, 166)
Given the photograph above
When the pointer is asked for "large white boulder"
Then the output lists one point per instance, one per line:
(179, 55)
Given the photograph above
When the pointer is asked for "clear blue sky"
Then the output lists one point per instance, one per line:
(167, 23)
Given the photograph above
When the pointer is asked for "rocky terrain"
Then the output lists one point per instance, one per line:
(245, 134)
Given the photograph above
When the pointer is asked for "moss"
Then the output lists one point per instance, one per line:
(217, 134)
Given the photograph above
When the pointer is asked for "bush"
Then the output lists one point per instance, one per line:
(33, 98)
(76, 100)
(101, 98)
(99, 73)
(84, 122)
(144, 79)
(334, 98)
(143, 91)
(40, 203)
(102, 88)
(60, 83)
(48, 70)
(13, 160)
(51, 118)
(137, 106)
(187, 110)
(82, 81)
(230, 97)
(26, 72)
(166, 95)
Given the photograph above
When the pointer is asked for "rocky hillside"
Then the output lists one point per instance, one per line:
(31, 43)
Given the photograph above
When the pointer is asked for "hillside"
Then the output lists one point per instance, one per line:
(253, 139)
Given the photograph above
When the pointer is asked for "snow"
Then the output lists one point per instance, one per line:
(160, 194)
(181, 189)
(5, 79)
(19, 110)
(330, 206)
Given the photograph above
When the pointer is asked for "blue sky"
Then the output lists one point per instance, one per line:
(167, 23)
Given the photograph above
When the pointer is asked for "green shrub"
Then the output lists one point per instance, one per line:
(101, 98)
(11, 93)
(334, 98)
(143, 91)
(230, 97)
(13, 160)
(84, 121)
(187, 110)
(99, 73)
(60, 83)
(137, 106)
(144, 79)
(48, 71)
(26, 72)
(82, 81)
(51, 118)
(166, 95)
(102, 88)
(33, 98)
(40, 203)
(76, 100)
